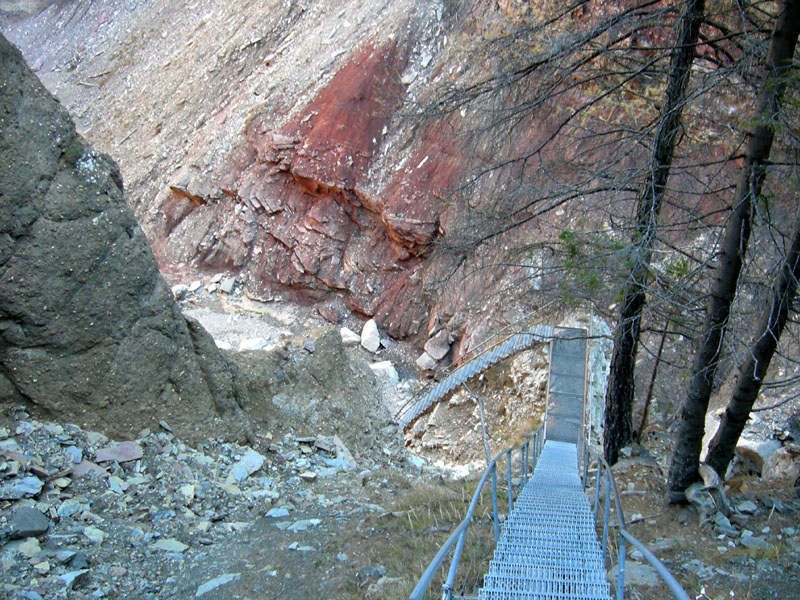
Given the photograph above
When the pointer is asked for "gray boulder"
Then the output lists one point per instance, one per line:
(89, 331)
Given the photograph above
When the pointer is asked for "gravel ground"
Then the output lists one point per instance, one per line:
(155, 518)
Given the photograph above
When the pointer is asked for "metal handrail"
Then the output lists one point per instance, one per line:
(528, 461)
(625, 536)
(506, 332)
(484, 347)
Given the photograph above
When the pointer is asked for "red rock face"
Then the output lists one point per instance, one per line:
(294, 215)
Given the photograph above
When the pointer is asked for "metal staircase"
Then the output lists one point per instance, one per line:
(508, 347)
(548, 548)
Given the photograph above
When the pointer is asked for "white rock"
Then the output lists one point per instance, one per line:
(187, 491)
(180, 291)
(342, 452)
(42, 567)
(213, 584)
(226, 285)
(251, 462)
(747, 507)
(439, 345)
(253, 344)
(223, 345)
(116, 485)
(783, 466)
(195, 285)
(95, 438)
(308, 475)
(94, 534)
(68, 580)
(303, 525)
(349, 337)
(415, 461)
(170, 545)
(370, 337)
(752, 454)
(425, 362)
(385, 370)
(30, 547)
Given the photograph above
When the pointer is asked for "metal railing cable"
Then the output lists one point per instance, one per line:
(518, 327)
(528, 455)
(605, 473)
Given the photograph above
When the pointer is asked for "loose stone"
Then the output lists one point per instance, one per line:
(27, 522)
(213, 584)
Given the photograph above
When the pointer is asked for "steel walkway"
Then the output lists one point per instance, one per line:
(566, 386)
(549, 548)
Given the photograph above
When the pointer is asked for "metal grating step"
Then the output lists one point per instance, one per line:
(547, 585)
(584, 568)
(507, 595)
(548, 547)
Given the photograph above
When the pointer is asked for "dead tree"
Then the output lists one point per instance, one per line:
(620, 391)
(754, 368)
(685, 460)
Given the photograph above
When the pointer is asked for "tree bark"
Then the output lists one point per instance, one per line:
(649, 397)
(618, 427)
(753, 370)
(685, 460)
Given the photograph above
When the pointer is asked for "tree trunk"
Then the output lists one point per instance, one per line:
(753, 370)
(618, 427)
(685, 460)
(651, 387)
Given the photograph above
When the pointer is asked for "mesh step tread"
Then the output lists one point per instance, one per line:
(557, 567)
(548, 547)
(507, 595)
(520, 584)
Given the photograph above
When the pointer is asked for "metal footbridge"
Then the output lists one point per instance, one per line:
(512, 345)
(548, 546)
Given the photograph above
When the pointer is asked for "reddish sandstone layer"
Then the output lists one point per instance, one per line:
(292, 214)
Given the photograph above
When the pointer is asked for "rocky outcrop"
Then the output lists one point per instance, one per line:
(88, 328)
(270, 140)
(274, 141)
(296, 214)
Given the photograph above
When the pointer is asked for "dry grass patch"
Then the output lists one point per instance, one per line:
(405, 538)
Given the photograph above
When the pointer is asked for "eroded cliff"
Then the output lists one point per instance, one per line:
(276, 143)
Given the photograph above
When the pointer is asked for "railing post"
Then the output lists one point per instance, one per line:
(510, 487)
(597, 490)
(523, 467)
(621, 570)
(447, 588)
(606, 515)
(494, 505)
(585, 465)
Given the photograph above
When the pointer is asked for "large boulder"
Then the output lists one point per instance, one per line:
(89, 331)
